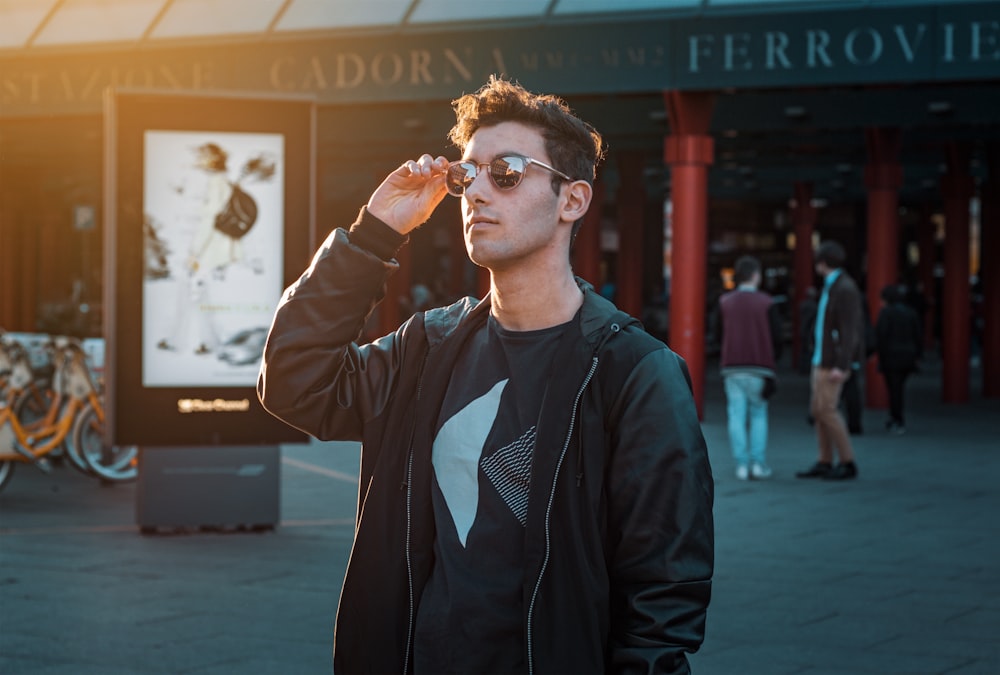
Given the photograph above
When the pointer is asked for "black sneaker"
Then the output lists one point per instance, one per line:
(817, 470)
(844, 471)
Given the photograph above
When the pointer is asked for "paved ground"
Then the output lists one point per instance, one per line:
(897, 572)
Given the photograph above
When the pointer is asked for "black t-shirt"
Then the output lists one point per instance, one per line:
(470, 616)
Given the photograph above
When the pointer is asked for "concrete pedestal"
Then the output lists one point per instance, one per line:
(208, 487)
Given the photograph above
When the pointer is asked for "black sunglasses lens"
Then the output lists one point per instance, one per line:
(507, 172)
(460, 176)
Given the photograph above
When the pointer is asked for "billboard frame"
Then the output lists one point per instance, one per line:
(190, 414)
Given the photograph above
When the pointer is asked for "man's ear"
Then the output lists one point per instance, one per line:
(577, 201)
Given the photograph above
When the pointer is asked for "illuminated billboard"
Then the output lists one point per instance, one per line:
(208, 216)
(213, 208)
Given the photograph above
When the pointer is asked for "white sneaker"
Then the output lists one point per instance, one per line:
(742, 472)
(760, 471)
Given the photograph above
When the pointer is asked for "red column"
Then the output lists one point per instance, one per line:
(990, 274)
(925, 271)
(883, 178)
(689, 151)
(631, 199)
(957, 188)
(803, 224)
(587, 247)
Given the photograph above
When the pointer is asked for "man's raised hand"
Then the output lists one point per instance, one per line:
(409, 195)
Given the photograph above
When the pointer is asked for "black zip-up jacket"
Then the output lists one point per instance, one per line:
(618, 552)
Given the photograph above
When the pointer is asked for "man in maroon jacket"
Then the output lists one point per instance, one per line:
(750, 345)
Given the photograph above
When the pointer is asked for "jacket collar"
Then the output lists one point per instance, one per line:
(597, 317)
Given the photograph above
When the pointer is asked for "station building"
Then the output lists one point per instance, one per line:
(734, 126)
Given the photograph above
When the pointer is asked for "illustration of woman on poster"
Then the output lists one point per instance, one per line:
(213, 236)
(211, 252)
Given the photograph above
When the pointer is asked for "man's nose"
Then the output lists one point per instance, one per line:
(475, 191)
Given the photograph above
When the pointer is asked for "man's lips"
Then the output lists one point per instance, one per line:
(479, 221)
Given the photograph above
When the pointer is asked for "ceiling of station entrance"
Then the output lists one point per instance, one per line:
(37, 25)
(764, 139)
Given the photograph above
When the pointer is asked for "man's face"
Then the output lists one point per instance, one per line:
(506, 228)
(822, 269)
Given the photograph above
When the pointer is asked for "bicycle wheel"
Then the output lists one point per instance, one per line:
(30, 406)
(116, 464)
(6, 470)
(72, 445)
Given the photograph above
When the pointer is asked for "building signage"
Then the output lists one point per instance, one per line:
(906, 44)
(842, 48)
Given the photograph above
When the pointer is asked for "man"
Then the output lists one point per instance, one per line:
(751, 332)
(900, 340)
(535, 490)
(838, 345)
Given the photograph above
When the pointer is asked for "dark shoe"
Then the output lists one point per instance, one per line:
(202, 349)
(163, 344)
(817, 470)
(846, 471)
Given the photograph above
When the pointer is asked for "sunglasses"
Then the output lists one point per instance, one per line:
(505, 171)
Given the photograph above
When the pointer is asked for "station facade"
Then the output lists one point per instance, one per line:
(752, 129)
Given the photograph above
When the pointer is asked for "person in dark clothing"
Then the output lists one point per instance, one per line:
(899, 336)
(850, 400)
(535, 491)
(838, 344)
(850, 394)
(751, 343)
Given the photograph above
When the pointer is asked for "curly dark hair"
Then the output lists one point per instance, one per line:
(573, 146)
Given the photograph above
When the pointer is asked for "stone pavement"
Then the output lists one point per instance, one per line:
(897, 572)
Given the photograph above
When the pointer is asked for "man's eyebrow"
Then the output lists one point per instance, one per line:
(502, 153)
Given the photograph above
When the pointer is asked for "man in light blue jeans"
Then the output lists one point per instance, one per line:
(750, 344)
(743, 400)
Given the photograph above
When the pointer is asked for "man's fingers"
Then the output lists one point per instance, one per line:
(425, 166)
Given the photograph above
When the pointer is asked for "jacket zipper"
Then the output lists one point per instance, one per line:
(548, 511)
(409, 521)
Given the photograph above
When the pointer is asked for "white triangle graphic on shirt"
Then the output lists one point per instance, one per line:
(457, 449)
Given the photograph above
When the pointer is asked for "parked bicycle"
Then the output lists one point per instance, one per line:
(72, 421)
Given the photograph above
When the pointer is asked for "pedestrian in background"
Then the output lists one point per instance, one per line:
(839, 343)
(536, 493)
(899, 335)
(850, 393)
(751, 343)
